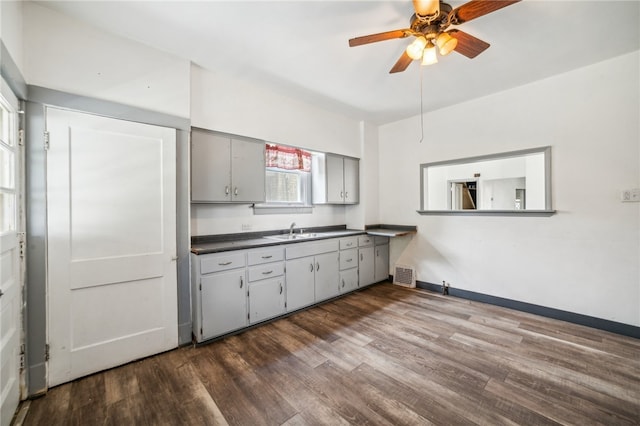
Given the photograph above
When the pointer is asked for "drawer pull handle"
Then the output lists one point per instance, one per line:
(225, 263)
(349, 260)
(267, 257)
(311, 267)
(361, 258)
(226, 190)
(235, 192)
(317, 266)
(241, 282)
(349, 244)
(280, 288)
(267, 272)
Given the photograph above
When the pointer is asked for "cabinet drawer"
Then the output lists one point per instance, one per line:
(348, 243)
(348, 259)
(271, 254)
(268, 270)
(221, 261)
(365, 240)
(381, 240)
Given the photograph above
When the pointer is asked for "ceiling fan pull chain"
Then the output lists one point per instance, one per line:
(421, 113)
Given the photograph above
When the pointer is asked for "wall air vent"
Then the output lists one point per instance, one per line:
(404, 275)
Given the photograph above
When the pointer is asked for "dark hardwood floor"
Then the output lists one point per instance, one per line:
(382, 356)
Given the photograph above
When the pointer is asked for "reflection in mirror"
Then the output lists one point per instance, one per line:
(511, 182)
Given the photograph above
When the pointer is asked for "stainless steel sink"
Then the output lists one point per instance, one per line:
(292, 237)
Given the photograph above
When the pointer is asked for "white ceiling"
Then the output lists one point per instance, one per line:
(301, 47)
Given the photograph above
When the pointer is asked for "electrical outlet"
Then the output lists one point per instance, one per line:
(246, 227)
(630, 195)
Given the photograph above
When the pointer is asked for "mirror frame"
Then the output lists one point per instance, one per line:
(547, 211)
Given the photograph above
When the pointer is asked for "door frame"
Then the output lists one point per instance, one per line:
(35, 157)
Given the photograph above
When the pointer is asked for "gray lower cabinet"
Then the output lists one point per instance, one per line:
(234, 289)
(366, 261)
(382, 259)
(266, 283)
(266, 299)
(326, 277)
(300, 278)
(311, 272)
(348, 264)
(219, 292)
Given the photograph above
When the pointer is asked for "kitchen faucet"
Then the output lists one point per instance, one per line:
(291, 229)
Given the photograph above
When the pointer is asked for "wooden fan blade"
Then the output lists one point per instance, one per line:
(468, 45)
(402, 63)
(476, 8)
(372, 38)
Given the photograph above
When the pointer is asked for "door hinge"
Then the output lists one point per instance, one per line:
(46, 352)
(21, 137)
(22, 244)
(46, 141)
(22, 358)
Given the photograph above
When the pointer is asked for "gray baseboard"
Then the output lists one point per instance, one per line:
(599, 323)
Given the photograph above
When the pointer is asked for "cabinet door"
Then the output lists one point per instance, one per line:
(351, 180)
(366, 269)
(210, 167)
(335, 179)
(266, 299)
(247, 171)
(224, 303)
(382, 262)
(300, 283)
(348, 280)
(327, 275)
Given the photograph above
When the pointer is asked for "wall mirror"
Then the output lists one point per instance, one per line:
(517, 182)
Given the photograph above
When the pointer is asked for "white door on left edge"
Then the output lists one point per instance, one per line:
(10, 264)
(111, 242)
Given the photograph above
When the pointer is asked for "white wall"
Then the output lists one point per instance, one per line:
(585, 258)
(11, 30)
(237, 106)
(67, 55)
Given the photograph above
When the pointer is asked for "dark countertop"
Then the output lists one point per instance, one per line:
(248, 240)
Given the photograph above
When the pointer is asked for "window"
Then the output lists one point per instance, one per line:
(288, 178)
(7, 171)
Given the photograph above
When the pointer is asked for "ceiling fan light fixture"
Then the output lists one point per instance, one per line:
(446, 43)
(414, 50)
(429, 56)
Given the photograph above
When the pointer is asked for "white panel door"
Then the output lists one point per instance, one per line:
(10, 265)
(111, 243)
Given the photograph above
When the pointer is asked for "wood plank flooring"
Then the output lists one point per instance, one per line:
(382, 356)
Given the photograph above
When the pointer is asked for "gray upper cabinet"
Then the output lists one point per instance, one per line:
(336, 180)
(226, 169)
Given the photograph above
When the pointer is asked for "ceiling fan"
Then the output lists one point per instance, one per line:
(429, 26)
